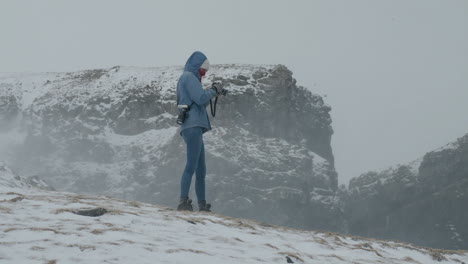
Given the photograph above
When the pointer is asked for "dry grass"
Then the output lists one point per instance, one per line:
(134, 204)
(225, 240)
(331, 234)
(323, 242)
(236, 222)
(167, 209)
(394, 244)
(447, 251)
(17, 199)
(40, 229)
(186, 250)
(98, 231)
(102, 231)
(59, 211)
(245, 225)
(266, 225)
(290, 246)
(84, 197)
(83, 247)
(411, 260)
(270, 245)
(5, 210)
(37, 248)
(386, 245)
(437, 255)
(238, 239)
(47, 230)
(112, 243)
(291, 254)
(14, 193)
(364, 245)
(335, 256)
(367, 247)
(233, 223)
(338, 240)
(13, 200)
(193, 220)
(126, 241)
(121, 212)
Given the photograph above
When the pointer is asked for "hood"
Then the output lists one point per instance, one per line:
(194, 62)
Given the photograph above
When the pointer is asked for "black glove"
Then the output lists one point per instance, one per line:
(218, 88)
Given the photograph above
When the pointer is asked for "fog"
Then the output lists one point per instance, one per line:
(394, 72)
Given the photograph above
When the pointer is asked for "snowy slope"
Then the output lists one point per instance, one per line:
(40, 227)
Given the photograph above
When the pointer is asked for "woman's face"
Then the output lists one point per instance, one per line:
(202, 72)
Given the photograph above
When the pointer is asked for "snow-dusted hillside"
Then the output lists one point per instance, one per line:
(42, 227)
(423, 202)
(113, 132)
(10, 179)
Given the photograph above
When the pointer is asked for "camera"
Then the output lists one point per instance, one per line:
(183, 113)
(218, 86)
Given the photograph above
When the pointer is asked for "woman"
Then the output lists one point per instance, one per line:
(191, 93)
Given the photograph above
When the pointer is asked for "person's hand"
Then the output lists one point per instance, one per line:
(219, 88)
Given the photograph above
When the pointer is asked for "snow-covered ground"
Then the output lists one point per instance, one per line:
(40, 227)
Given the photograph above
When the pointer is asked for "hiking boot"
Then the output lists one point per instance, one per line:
(203, 206)
(185, 204)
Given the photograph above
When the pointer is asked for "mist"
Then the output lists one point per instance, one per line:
(394, 73)
(335, 120)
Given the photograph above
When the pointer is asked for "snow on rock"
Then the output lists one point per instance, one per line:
(26, 87)
(8, 178)
(41, 227)
(113, 132)
(422, 202)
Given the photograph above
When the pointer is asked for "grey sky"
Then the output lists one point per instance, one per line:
(395, 72)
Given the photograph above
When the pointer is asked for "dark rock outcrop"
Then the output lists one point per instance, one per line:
(424, 203)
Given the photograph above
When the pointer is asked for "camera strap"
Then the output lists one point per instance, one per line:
(213, 106)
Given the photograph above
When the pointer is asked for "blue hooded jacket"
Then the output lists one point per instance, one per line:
(190, 92)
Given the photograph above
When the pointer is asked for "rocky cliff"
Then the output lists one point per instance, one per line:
(424, 202)
(113, 132)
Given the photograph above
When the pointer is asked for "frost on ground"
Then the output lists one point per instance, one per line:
(41, 227)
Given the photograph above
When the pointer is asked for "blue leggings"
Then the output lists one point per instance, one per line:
(193, 137)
